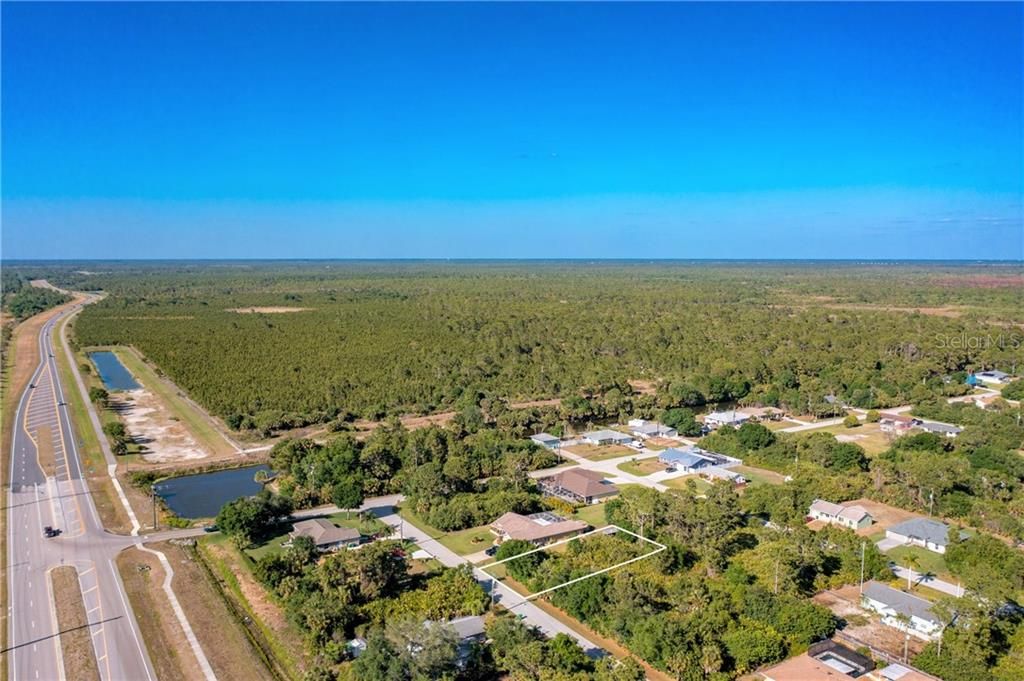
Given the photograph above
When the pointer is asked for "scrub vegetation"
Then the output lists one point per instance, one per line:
(380, 339)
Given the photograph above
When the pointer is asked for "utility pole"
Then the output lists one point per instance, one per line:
(152, 494)
(863, 545)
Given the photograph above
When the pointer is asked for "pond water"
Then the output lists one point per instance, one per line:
(202, 495)
(113, 373)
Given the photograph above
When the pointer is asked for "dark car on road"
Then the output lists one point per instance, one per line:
(50, 532)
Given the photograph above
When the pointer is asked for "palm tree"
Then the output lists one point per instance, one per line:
(913, 561)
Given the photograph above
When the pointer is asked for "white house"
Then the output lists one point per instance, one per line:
(546, 440)
(923, 532)
(642, 429)
(607, 437)
(901, 610)
(993, 377)
(717, 419)
(853, 517)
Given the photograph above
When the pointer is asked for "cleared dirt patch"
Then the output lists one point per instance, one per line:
(168, 648)
(863, 627)
(267, 310)
(885, 516)
(643, 387)
(163, 438)
(75, 636)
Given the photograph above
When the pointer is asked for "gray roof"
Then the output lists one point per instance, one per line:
(465, 627)
(923, 528)
(993, 373)
(688, 458)
(939, 427)
(323, 532)
(902, 603)
(544, 437)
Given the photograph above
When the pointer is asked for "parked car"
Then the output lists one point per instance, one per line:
(210, 528)
(491, 550)
(50, 532)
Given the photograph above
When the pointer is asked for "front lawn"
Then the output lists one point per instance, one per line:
(929, 561)
(600, 452)
(680, 483)
(641, 466)
(465, 542)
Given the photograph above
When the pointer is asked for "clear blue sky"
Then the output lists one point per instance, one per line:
(513, 130)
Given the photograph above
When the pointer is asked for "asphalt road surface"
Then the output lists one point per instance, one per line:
(53, 492)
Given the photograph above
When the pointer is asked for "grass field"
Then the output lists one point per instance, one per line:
(72, 622)
(641, 466)
(198, 424)
(592, 515)
(869, 436)
(928, 561)
(368, 527)
(472, 540)
(760, 476)
(600, 452)
(281, 640)
(680, 483)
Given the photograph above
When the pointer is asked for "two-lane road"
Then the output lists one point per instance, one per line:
(47, 487)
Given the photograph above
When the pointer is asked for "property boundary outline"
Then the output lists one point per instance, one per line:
(603, 530)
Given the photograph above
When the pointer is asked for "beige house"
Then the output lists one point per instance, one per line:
(326, 535)
(853, 517)
(539, 528)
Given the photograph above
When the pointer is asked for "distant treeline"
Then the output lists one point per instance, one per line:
(378, 339)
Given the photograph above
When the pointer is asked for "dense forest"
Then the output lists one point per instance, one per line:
(379, 339)
(22, 300)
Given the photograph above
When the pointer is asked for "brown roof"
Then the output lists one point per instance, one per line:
(583, 482)
(534, 528)
(323, 531)
(803, 668)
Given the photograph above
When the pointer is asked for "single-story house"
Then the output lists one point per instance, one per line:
(923, 532)
(546, 440)
(853, 517)
(468, 630)
(644, 429)
(717, 419)
(902, 610)
(713, 473)
(896, 423)
(326, 535)
(940, 428)
(824, 661)
(578, 486)
(691, 459)
(992, 376)
(538, 528)
(607, 437)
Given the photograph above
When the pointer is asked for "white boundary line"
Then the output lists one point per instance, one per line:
(602, 530)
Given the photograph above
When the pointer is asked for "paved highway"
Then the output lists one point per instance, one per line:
(47, 487)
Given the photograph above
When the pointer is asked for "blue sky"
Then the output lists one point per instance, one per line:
(512, 130)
